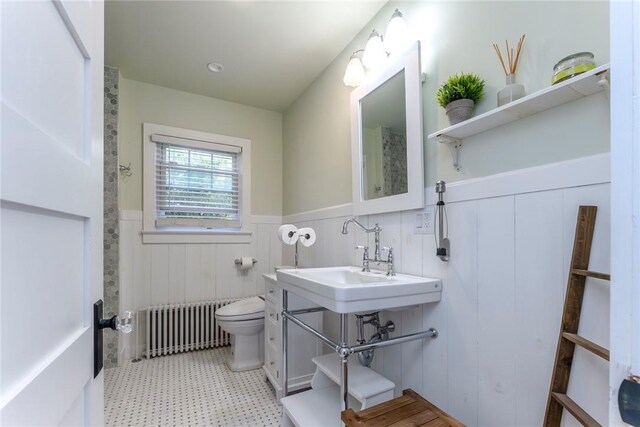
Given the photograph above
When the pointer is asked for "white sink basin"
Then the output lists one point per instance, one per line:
(349, 290)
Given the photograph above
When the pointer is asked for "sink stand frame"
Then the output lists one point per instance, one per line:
(341, 348)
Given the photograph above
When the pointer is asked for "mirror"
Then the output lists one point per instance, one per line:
(386, 121)
(384, 140)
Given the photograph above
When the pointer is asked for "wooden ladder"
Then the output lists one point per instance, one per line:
(569, 338)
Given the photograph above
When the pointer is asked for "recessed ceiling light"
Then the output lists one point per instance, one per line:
(215, 67)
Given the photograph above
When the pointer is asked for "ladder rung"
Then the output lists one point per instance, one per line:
(587, 345)
(575, 410)
(594, 274)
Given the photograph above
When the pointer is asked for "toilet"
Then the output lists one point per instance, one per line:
(244, 321)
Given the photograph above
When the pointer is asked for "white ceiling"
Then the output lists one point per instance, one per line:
(271, 50)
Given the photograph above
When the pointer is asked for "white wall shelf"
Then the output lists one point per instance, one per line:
(321, 405)
(365, 384)
(585, 84)
(315, 407)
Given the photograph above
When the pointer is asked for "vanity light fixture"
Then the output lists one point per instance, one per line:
(377, 50)
(214, 67)
(354, 74)
(374, 54)
(397, 36)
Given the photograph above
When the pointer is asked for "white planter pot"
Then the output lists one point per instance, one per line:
(459, 110)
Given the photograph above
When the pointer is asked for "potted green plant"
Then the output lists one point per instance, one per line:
(459, 94)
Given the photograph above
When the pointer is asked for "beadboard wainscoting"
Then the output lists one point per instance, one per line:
(511, 241)
(155, 274)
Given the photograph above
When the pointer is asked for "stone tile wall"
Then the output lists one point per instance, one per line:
(111, 227)
(394, 162)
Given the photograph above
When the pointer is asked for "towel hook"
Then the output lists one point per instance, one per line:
(125, 171)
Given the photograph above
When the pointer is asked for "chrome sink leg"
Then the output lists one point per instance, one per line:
(285, 327)
(344, 354)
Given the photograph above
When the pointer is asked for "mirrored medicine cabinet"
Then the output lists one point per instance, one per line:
(386, 138)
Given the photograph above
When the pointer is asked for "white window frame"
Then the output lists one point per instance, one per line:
(153, 234)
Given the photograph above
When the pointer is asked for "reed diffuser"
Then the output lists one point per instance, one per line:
(512, 90)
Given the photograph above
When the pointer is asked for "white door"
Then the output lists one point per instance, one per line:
(50, 210)
(625, 198)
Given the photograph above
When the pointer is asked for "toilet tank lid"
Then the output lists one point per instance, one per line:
(244, 306)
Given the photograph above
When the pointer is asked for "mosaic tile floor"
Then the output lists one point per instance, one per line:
(189, 389)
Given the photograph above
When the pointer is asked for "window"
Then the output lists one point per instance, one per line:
(196, 186)
(194, 182)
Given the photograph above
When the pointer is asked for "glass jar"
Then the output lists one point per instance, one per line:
(511, 91)
(572, 65)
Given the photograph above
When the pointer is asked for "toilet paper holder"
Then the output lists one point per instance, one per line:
(238, 261)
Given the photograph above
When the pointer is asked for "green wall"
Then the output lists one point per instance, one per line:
(456, 36)
(142, 102)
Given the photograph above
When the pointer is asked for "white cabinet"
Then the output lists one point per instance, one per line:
(302, 346)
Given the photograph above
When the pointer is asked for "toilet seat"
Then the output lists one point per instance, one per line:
(246, 309)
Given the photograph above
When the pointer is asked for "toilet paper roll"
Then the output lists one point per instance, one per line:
(246, 262)
(307, 236)
(288, 233)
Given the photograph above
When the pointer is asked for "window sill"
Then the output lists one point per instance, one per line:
(195, 236)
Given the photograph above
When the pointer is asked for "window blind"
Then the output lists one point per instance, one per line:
(196, 186)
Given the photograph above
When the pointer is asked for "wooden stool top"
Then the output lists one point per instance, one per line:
(410, 409)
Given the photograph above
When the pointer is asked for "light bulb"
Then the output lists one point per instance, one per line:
(354, 74)
(397, 35)
(374, 54)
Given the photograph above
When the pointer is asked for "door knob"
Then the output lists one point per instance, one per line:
(123, 324)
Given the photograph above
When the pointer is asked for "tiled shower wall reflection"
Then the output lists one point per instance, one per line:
(111, 228)
(394, 165)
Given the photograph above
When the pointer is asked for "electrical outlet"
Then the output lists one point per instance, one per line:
(419, 224)
(428, 225)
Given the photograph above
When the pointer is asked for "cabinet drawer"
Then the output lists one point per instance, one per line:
(271, 313)
(271, 291)
(272, 334)
(272, 360)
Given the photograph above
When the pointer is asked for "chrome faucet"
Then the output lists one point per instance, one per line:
(390, 270)
(376, 253)
(365, 258)
(376, 230)
(355, 221)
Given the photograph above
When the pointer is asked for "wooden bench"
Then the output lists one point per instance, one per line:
(410, 409)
